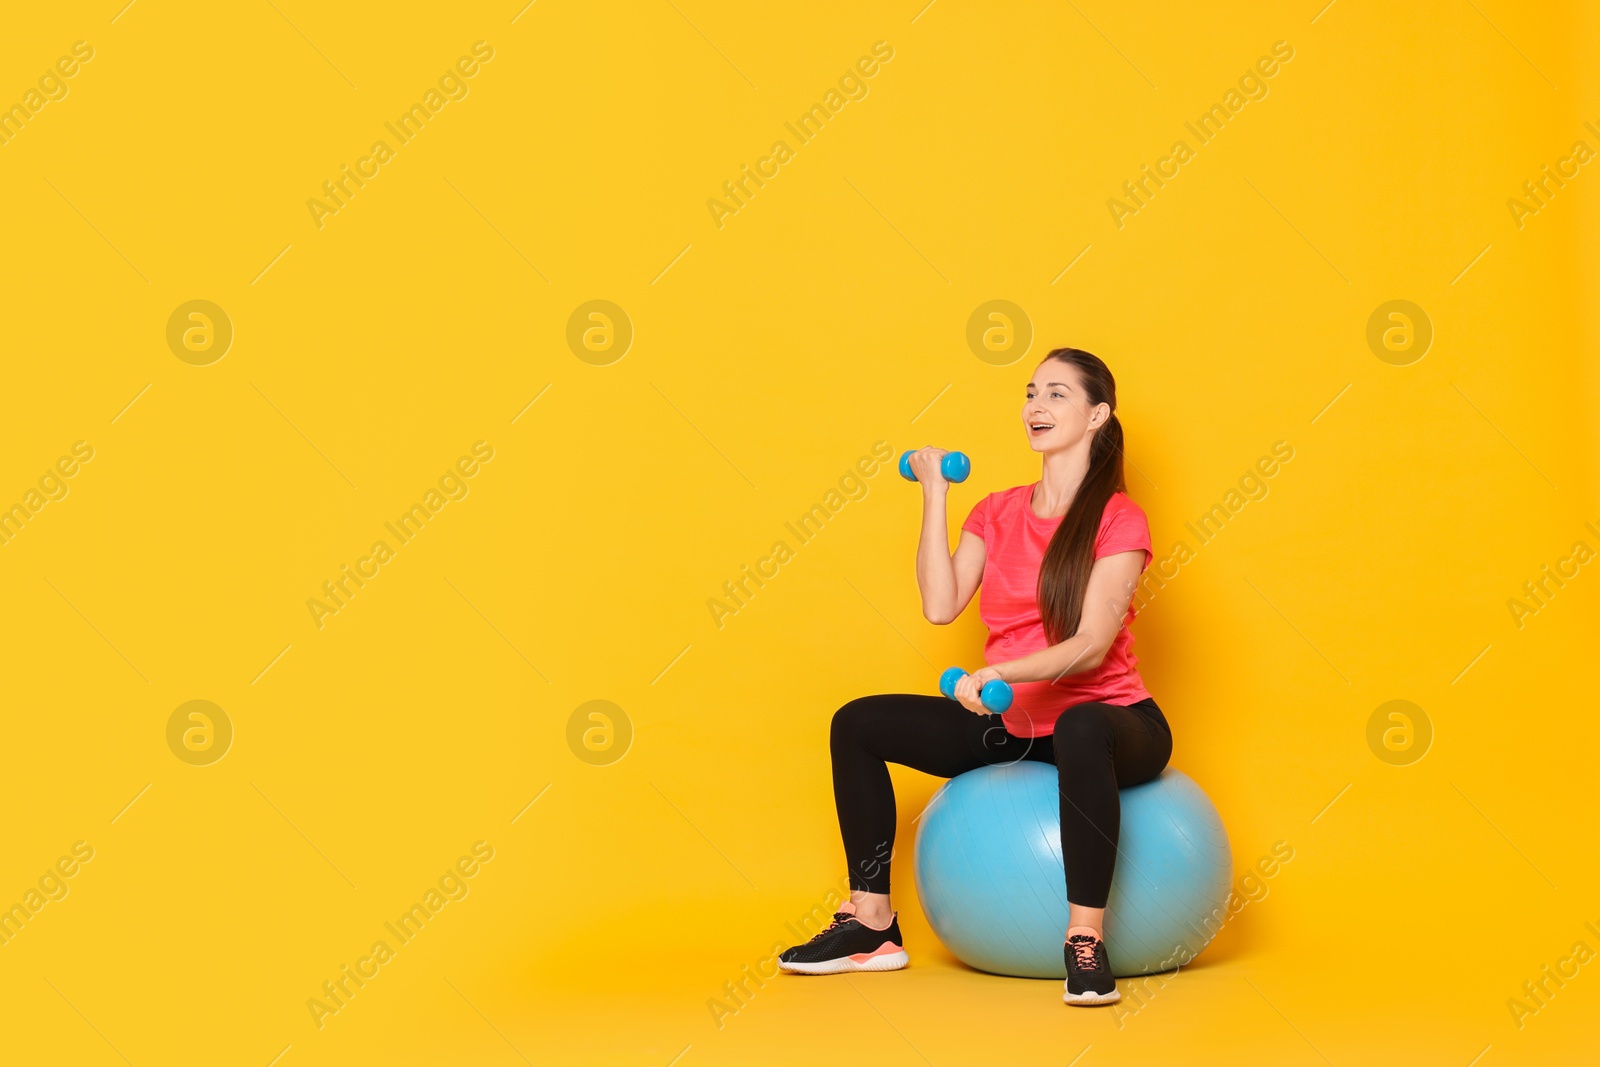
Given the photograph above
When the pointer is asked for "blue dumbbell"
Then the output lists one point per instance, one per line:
(995, 694)
(955, 466)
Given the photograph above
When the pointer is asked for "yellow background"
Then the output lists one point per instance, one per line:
(769, 355)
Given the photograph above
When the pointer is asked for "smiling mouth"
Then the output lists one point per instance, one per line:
(1037, 428)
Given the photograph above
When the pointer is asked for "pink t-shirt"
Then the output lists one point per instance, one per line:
(1008, 603)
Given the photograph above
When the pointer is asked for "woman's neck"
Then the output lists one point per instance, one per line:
(1063, 473)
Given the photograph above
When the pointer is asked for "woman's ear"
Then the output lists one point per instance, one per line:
(1099, 415)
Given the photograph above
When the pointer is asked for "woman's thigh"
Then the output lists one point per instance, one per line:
(931, 734)
(1135, 739)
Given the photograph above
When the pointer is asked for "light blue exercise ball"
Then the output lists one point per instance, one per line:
(993, 885)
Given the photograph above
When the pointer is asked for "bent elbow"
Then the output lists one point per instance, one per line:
(1093, 657)
(938, 618)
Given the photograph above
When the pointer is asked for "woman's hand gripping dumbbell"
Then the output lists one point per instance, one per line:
(953, 466)
(995, 695)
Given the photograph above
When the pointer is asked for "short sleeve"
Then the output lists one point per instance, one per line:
(1123, 528)
(978, 518)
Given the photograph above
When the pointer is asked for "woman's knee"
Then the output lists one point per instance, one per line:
(849, 721)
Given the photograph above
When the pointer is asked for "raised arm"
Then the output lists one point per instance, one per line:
(946, 581)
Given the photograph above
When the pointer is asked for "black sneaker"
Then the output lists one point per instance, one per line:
(1089, 980)
(846, 945)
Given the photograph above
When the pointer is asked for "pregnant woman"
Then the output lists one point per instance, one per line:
(1059, 561)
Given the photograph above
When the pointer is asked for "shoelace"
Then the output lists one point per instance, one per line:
(1083, 951)
(839, 919)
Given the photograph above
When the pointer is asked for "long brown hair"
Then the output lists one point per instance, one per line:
(1064, 572)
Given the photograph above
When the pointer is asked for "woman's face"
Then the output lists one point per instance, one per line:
(1057, 413)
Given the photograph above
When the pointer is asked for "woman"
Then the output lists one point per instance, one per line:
(1059, 561)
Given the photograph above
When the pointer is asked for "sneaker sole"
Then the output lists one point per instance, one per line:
(890, 961)
(1091, 1000)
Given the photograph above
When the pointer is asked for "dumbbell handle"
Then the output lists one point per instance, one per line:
(995, 695)
(955, 466)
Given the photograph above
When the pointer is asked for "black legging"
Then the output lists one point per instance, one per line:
(1105, 747)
